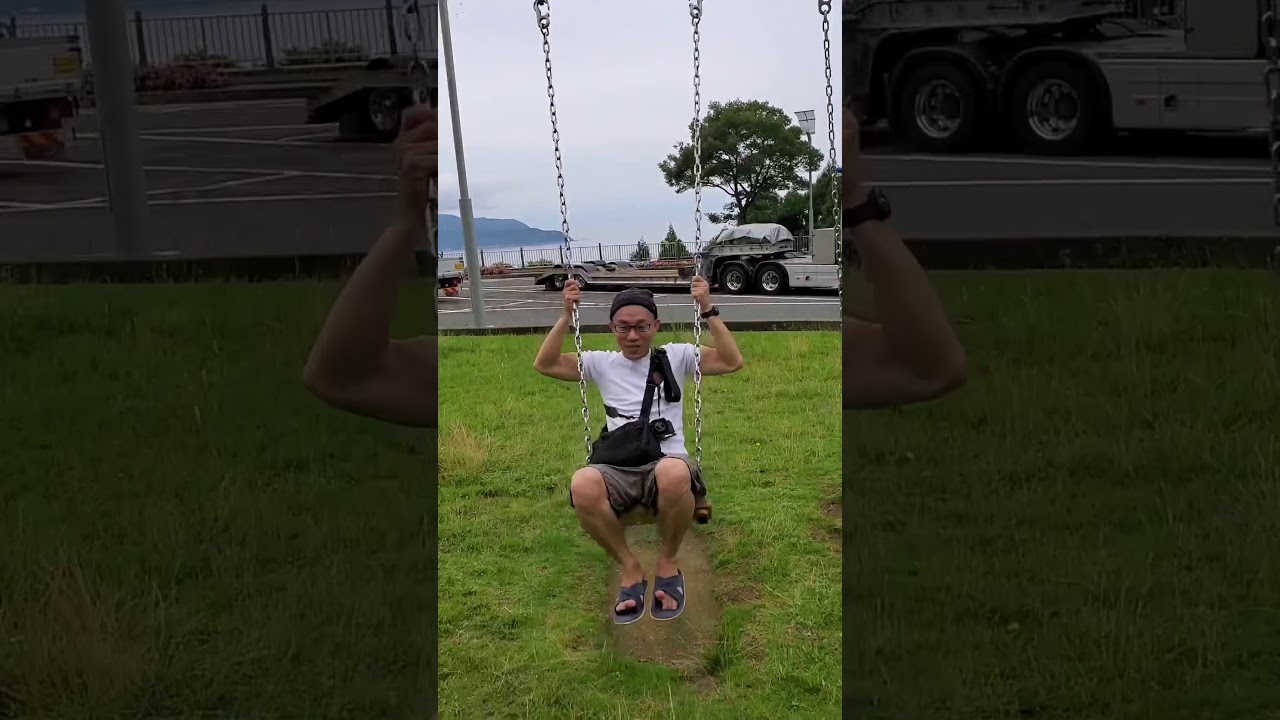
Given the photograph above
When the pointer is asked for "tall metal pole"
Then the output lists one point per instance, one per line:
(810, 137)
(464, 196)
(118, 121)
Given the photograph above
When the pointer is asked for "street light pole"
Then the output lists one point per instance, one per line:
(808, 123)
(108, 38)
(464, 200)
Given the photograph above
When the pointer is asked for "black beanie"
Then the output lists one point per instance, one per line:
(633, 296)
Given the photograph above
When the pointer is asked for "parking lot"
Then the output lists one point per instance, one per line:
(230, 180)
(517, 302)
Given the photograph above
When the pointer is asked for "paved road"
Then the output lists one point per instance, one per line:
(228, 180)
(1142, 186)
(517, 302)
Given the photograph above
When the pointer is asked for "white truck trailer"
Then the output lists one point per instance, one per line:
(41, 83)
(1052, 75)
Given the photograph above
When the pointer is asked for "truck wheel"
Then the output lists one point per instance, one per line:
(735, 278)
(938, 108)
(1055, 108)
(385, 106)
(771, 278)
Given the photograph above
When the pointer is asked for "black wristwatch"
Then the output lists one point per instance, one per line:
(714, 311)
(876, 208)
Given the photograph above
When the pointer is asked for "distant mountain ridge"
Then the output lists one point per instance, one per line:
(496, 233)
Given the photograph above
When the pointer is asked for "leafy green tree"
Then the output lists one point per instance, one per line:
(672, 246)
(641, 253)
(792, 209)
(751, 150)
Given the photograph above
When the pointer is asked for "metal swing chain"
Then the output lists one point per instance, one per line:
(1271, 80)
(695, 14)
(824, 7)
(542, 8)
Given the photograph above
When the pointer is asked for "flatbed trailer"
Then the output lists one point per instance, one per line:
(368, 103)
(749, 258)
(614, 274)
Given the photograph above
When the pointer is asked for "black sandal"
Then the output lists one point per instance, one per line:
(674, 588)
(631, 592)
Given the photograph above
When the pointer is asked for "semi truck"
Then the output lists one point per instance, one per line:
(449, 275)
(1052, 76)
(752, 258)
(41, 85)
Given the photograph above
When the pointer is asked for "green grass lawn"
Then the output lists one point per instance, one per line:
(185, 532)
(1091, 528)
(522, 622)
(1086, 530)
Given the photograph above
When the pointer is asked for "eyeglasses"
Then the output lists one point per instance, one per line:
(626, 329)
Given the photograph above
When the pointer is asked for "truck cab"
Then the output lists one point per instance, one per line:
(41, 82)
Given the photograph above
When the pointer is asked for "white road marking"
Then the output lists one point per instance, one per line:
(276, 198)
(789, 302)
(11, 204)
(1044, 182)
(197, 107)
(308, 136)
(467, 309)
(1121, 164)
(169, 191)
(223, 200)
(213, 170)
(226, 129)
(225, 141)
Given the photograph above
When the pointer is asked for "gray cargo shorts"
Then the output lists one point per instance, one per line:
(629, 487)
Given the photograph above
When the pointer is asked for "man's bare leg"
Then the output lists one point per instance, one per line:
(675, 517)
(591, 503)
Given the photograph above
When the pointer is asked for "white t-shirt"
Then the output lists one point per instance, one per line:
(621, 383)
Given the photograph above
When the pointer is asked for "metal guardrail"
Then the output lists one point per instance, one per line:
(265, 39)
(533, 258)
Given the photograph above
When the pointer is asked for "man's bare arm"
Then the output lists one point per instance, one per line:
(550, 361)
(874, 378)
(912, 354)
(724, 358)
(354, 365)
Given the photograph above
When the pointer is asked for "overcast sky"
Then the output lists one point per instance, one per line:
(624, 96)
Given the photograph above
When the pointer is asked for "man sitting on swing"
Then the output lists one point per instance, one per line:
(640, 458)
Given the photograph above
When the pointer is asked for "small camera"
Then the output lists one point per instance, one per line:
(663, 428)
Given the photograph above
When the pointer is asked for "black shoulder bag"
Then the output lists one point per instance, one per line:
(639, 442)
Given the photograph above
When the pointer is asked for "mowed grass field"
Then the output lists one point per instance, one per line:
(523, 627)
(1086, 530)
(185, 532)
(1090, 530)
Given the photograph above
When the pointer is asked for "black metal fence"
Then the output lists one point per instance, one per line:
(265, 39)
(532, 258)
